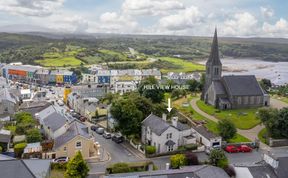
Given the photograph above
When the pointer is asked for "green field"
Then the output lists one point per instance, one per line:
(210, 125)
(121, 56)
(183, 65)
(281, 98)
(242, 118)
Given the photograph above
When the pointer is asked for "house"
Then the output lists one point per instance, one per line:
(76, 138)
(32, 150)
(29, 168)
(125, 86)
(34, 107)
(205, 137)
(8, 102)
(230, 92)
(200, 171)
(4, 83)
(42, 76)
(25, 94)
(164, 136)
(54, 125)
(5, 138)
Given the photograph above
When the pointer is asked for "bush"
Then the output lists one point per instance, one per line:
(178, 160)
(33, 135)
(120, 168)
(19, 148)
(190, 147)
(59, 166)
(1, 149)
(77, 167)
(218, 158)
(150, 149)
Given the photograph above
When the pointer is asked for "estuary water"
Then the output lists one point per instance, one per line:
(277, 72)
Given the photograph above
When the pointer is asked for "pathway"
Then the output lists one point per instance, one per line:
(251, 134)
(274, 103)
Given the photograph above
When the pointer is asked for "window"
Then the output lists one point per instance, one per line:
(65, 148)
(216, 71)
(78, 144)
(169, 136)
(170, 148)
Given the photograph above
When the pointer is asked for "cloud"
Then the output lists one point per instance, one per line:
(112, 22)
(279, 29)
(187, 18)
(241, 24)
(151, 7)
(31, 7)
(266, 12)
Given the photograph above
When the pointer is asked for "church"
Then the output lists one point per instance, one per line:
(231, 91)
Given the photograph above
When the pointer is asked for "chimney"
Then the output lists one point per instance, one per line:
(164, 117)
(174, 121)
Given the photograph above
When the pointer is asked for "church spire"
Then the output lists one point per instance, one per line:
(214, 54)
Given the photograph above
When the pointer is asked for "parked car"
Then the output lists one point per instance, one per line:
(107, 135)
(94, 127)
(231, 149)
(100, 130)
(244, 148)
(61, 160)
(118, 138)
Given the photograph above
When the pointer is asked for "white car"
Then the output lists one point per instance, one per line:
(61, 160)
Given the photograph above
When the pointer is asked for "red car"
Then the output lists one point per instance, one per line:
(231, 149)
(244, 148)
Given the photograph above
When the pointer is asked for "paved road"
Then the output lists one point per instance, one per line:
(274, 103)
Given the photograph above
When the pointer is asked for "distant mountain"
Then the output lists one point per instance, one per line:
(20, 28)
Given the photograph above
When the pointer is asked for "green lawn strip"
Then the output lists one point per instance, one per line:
(185, 66)
(59, 62)
(242, 118)
(210, 125)
(262, 135)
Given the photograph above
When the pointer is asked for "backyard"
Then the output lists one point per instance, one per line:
(210, 125)
(242, 118)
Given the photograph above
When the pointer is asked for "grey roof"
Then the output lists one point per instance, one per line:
(170, 143)
(204, 132)
(156, 124)
(42, 72)
(15, 169)
(282, 170)
(34, 106)
(5, 138)
(54, 121)
(40, 167)
(201, 171)
(214, 54)
(61, 72)
(262, 171)
(6, 95)
(5, 157)
(181, 126)
(242, 85)
(218, 88)
(75, 129)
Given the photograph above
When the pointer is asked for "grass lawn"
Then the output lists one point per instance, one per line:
(59, 62)
(262, 135)
(210, 125)
(57, 173)
(184, 66)
(242, 118)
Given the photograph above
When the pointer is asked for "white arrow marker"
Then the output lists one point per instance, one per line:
(169, 105)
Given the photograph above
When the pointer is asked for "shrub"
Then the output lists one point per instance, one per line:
(218, 158)
(120, 168)
(33, 135)
(190, 147)
(77, 167)
(227, 129)
(59, 166)
(19, 148)
(0, 149)
(178, 160)
(150, 149)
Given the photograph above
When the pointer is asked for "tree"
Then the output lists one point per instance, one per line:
(33, 135)
(194, 85)
(120, 168)
(77, 167)
(150, 149)
(227, 129)
(192, 159)
(19, 148)
(218, 158)
(178, 160)
(155, 94)
(128, 116)
(265, 84)
(176, 93)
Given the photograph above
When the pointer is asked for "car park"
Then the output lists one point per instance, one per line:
(231, 149)
(100, 130)
(244, 148)
(118, 138)
(61, 160)
(107, 135)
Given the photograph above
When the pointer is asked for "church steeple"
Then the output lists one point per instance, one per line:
(214, 54)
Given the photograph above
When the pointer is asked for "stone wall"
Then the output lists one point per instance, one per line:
(278, 142)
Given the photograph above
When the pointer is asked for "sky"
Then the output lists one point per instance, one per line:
(237, 18)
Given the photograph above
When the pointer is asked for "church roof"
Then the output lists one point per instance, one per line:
(242, 85)
(214, 54)
(218, 88)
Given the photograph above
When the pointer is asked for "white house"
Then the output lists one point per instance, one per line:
(165, 136)
(125, 86)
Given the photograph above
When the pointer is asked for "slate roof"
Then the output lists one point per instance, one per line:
(34, 107)
(218, 88)
(5, 138)
(204, 132)
(201, 171)
(182, 127)
(282, 170)
(263, 171)
(40, 167)
(156, 124)
(75, 129)
(6, 95)
(54, 121)
(242, 85)
(5, 157)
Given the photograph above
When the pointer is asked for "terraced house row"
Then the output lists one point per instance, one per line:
(37, 74)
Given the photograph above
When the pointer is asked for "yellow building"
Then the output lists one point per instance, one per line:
(67, 91)
(59, 79)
